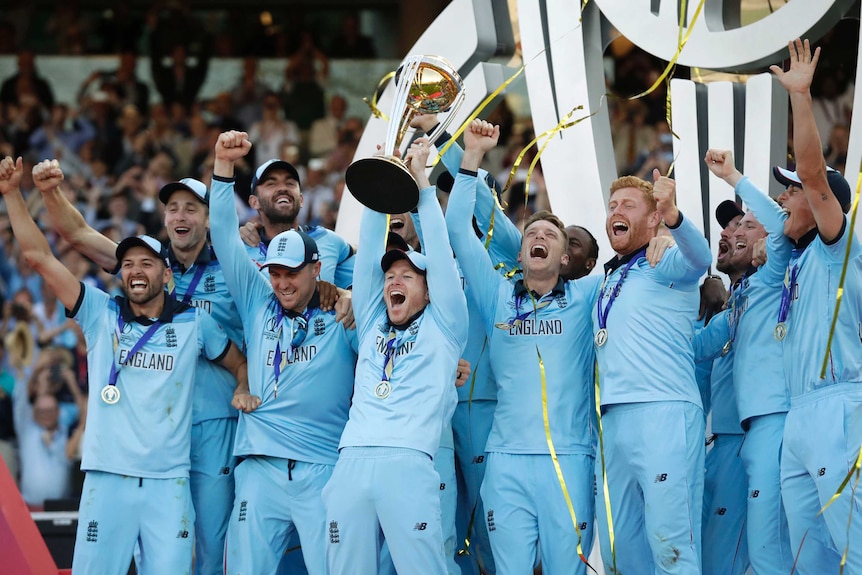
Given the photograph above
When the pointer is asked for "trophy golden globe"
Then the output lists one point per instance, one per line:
(423, 84)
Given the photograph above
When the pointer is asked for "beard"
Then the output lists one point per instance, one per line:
(276, 215)
(152, 292)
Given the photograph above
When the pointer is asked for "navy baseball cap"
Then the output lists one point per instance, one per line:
(837, 183)
(196, 188)
(270, 165)
(416, 260)
(726, 211)
(292, 249)
(142, 241)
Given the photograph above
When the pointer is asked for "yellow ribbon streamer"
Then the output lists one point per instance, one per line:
(377, 93)
(557, 468)
(840, 292)
(476, 113)
(605, 489)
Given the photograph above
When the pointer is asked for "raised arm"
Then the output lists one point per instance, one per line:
(449, 304)
(241, 274)
(69, 222)
(476, 264)
(693, 247)
(34, 245)
(810, 164)
(765, 209)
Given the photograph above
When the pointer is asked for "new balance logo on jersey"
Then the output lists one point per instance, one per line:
(491, 525)
(170, 337)
(92, 531)
(721, 511)
(821, 472)
(209, 284)
(333, 532)
(479, 459)
(319, 326)
(660, 478)
(420, 526)
(225, 471)
(243, 509)
(583, 526)
(755, 493)
(442, 487)
(183, 534)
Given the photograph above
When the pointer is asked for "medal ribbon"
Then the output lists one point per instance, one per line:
(115, 369)
(300, 330)
(522, 315)
(603, 313)
(790, 276)
(190, 291)
(734, 295)
(389, 357)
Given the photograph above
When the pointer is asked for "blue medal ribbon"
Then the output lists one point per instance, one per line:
(603, 313)
(115, 368)
(190, 291)
(790, 276)
(298, 334)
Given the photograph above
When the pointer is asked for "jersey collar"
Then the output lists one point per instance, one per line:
(618, 261)
(521, 289)
(172, 307)
(204, 257)
(313, 303)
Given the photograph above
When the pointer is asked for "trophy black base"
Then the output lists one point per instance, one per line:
(383, 183)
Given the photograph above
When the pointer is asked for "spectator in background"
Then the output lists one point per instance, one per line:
(248, 94)
(179, 77)
(350, 43)
(272, 132)
(117, 30)
(68, 28)
(630, 133)
(55, 329)
(316, 192)
(303, 91)
(222, 108)
(323, 138)
(26, 81)
(8, 448)
(41, 434)
(837, 146)
(62, 136)
(124, 81)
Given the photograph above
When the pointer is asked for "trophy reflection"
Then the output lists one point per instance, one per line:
(423, 84)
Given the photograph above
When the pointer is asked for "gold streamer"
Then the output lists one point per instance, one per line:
(476, 113)
(377, 93)
(553, 451)
(605, 489)
(840, 293)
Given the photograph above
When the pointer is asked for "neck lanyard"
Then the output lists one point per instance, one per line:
(190, 290)
(298, 333)
(110, 393)
(602, 313)
(787, 289)
(734, 319)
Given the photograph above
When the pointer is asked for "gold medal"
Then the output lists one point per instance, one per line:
(110, 394)
(780, 331)
(726, 349)
(382, 390)
(601, 337)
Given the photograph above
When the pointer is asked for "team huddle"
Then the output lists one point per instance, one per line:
(477, 402)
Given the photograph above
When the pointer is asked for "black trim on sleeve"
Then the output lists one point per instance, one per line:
(678, 224)
(223, 179)
(222, 355)
(839, 236)
(467, 172)
(71, 313)
(440, 140)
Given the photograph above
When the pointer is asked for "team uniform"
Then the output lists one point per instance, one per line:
(288, 445)
(524, 503)
(136, 451)
(652, 417)
(761, 390)
(213, 419)
(822, 431)
(725, 542)
(477, 399)
(404, 392)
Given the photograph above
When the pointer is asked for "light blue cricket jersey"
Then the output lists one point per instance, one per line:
(147, 433)
(709, 342)
(560, 330)
(813, 305)
(336, 255)
(211, 400)
(760, 385)
(648, 355)
(427, 349)
(305, 421)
